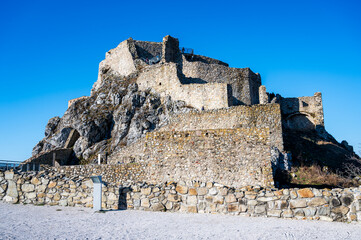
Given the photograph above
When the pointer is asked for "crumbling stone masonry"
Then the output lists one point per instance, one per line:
(71, 186)
(230, 146)
(232, 135)
(202, 82)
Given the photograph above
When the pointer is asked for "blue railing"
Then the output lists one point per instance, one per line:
(9, 164)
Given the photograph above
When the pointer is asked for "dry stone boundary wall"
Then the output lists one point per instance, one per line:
(65, 189)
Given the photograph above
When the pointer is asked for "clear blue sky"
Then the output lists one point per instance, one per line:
(50, 51)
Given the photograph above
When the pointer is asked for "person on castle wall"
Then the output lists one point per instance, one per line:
(182, 49)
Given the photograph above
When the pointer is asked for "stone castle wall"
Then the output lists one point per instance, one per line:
(148, 49)
(54, 188)
(231, 146)
(255, 116)
(119, 60)
(236, 157)
(164, 80)
(243, 81)
(303, 112)
(201, 82)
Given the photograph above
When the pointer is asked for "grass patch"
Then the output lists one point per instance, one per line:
(317, 176)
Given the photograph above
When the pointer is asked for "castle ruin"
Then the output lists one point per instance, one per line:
(233, 132)
(169, 130)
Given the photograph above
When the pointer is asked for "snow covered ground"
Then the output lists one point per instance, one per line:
(45, 222)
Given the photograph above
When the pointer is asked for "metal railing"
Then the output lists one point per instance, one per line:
(153, 60)
(186, 50)
(9, 164)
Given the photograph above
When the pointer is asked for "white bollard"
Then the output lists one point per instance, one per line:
(97, 192)
(99, 158)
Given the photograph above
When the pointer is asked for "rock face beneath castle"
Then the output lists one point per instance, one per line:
(185, 116)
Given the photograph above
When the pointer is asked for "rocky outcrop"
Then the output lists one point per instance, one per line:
(115, 115)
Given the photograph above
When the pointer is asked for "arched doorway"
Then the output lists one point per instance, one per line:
(300, 122)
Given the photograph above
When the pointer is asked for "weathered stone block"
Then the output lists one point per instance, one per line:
(112, 197)
(41, 188)
(305, 193)
(224, 191)
(218, 199)
(51, 184)
(341, 209)
(35, 181)
(213, 191)
(252, 202)
(353, 217)
(192, 191)
(230, 198)
(27, 187)
(335, 202)
(169, 205)
(326, 193)
(192, 200)
(347, 199)
(299, 213)
(310, 212)
(174, 198)
(202, 206)
(181, 189)
(30, 195)
(145, 202)
(239, 195)
(209, 184)
(136, 195)
(233, 207)
(56, 197)
(260, 209)
(317, 192)
(281, 204)
(136, 202)
(209, 199)
(146, 191)
(299, 203)
(202, 191)
(192, 209)
(243, 208)
(270, 205)
(12, 190)
(293, 194)
(158, 207)
(64, 203)
(318, 201)
(274, 213)
(267, 199)
(9, 175)
(251, 196)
